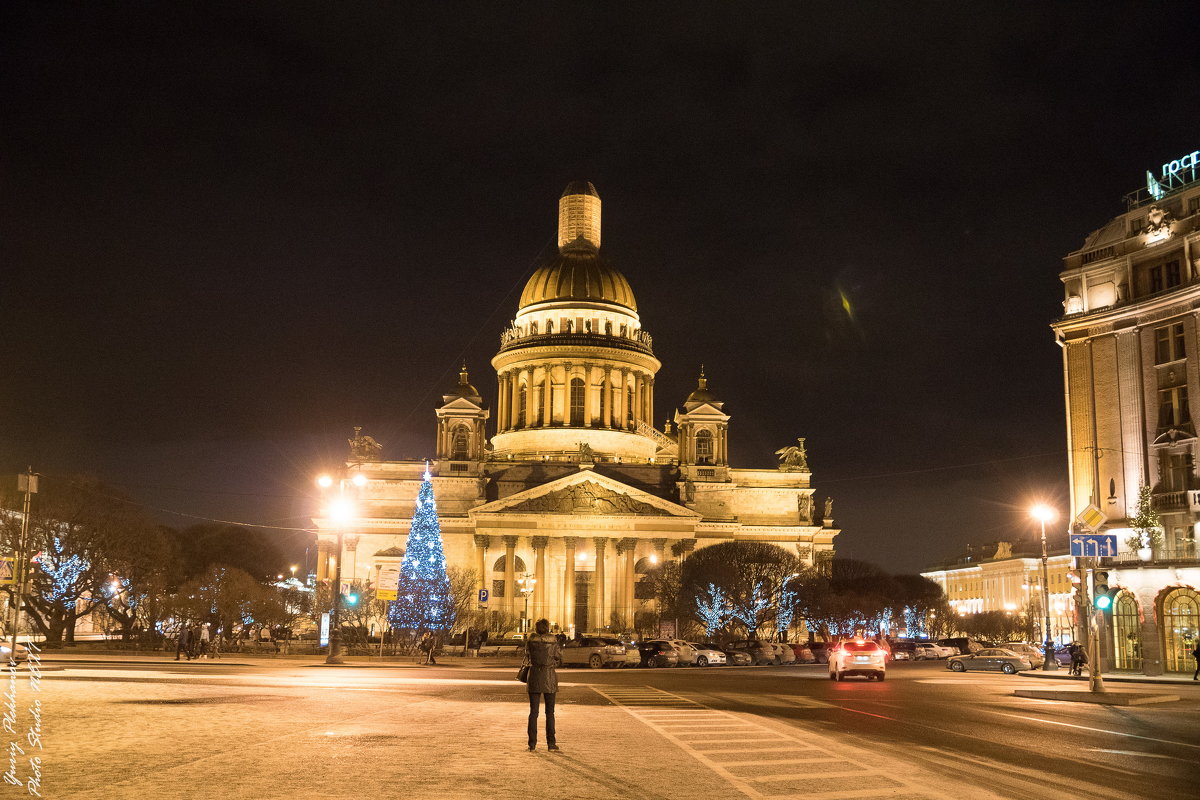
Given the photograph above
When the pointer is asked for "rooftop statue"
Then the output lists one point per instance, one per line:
(364, 448)
(793, 458)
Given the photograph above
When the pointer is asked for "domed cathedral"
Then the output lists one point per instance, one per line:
(576, 497)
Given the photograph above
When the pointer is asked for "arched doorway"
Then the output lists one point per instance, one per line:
(1181, 623)
(1127, 632)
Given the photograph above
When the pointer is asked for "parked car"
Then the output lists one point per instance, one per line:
(633, 657)
(962, 645)
(737, 658)
(804, 655)
(904, 651)
(783, 653)
(760, 652)
(1032, 652)
(592, 652)
(658, 654)
(21, 655)
(707, 655)
(938, 651)
(820, 651)
(684, 652)
(990, 658)
(855, 657)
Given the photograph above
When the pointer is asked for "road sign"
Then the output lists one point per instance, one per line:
(483, 597)
(389, 582)
(1091, 518)
(6, 571)
(325, 629)
(1093, 544)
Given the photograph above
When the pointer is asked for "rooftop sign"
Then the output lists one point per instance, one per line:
(1176, 173)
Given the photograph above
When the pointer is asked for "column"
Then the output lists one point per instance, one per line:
(568, 606)
(324, 547)
(629, 545)
(351, 562)
(482, 542)
(564, 410)
(510, 573)
(635, 382)
(608, 398)
(514, 398)
(600, 607)
(590, 411)
(547, 394)
(650, 401)
(535, 399)
(502, 403)
(539, 575)
(620, 398)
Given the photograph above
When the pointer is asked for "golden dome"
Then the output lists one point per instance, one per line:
(577, 272)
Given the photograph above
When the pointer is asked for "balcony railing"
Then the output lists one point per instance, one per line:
(1182, 553)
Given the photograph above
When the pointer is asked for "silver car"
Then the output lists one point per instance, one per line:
(707, 655)
(990, 658)
(592, 652)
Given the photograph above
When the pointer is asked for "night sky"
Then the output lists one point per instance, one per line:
(232, 232)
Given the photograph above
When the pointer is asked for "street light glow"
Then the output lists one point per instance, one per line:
(1043, 513)
(341, 510)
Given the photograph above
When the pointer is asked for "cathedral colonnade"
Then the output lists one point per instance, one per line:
(584, 583)
(583, 395)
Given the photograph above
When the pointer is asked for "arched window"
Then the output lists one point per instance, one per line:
(533, 328)
(460, 444)
(549, 326)
(1127, 632)
(499, 565)
(522, 396)
(1181, 625)
(629, 405)
(577, 397)
(704, 447)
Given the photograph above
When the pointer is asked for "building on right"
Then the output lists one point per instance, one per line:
(1130, 339)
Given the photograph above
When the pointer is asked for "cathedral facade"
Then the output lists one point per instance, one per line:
(576, 495)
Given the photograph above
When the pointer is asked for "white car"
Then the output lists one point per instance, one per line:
(707, 655)
(933, 650)
(687, 653)
(858, 657)
(784, 654)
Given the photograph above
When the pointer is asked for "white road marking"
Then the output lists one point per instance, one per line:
(1099, 730)
(1130, 753)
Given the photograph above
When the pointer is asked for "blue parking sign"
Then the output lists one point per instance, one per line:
(483, 596)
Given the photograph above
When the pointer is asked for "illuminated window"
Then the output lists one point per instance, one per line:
(577, 397)
(461, 442)
(522, 397)
(1169, 343)
(704, 447)
(1177, 471)
(1181, 625)
(1173, 407)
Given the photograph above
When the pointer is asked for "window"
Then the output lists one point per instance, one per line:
(1136, 224)
(1156, 279)
(522, 397)
(1193, 205)
(577, 397)
(1173, 407)
(629, 404)
(458, 467)
(1177, 472)
(1173, 273)
(459, 448)
(498, 588)
(704, 447)
(518, 564)
(603, 402)
(533, 329)
(1169, 343)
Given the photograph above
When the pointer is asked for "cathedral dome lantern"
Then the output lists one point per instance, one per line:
(575, 366)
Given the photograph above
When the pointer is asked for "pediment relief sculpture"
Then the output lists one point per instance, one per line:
(586, 498)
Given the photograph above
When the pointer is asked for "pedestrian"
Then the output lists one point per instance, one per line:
(541, 655)
(562, 638)
(1196, 655)
(204, 639)
(1078, 659)
(426, 647)
(181, 643)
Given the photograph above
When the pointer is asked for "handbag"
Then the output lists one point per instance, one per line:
(523, 673)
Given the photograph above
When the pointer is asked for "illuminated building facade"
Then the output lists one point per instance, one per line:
(1131, 368)
(576, 492)
(1003, 577)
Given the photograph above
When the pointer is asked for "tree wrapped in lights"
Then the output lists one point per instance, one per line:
(714, 609)
(423, 599)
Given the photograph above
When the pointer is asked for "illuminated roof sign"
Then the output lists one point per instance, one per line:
(1176, 174)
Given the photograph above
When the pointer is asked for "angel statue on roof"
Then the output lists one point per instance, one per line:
(793, 458)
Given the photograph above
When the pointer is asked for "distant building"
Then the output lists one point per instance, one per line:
(1007, 577)
(1131, 376)
(576, 488)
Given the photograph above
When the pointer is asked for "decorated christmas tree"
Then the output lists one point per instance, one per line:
(423, 595)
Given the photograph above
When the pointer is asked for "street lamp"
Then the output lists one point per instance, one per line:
(527, 582)
(1044, 514)
(341, 510)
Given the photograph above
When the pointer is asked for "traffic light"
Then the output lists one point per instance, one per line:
(352, 599)
(1101, 593)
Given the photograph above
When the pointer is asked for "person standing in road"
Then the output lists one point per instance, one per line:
(541, 654)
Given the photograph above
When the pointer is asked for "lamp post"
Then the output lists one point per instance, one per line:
(1044, 514)
(527, 582)
(341, 510)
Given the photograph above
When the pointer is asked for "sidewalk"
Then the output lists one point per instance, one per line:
(1175, 679)
(243, 660)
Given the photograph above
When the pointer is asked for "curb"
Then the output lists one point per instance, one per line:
(1144, 680)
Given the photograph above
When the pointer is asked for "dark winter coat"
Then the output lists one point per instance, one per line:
(541, 652)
